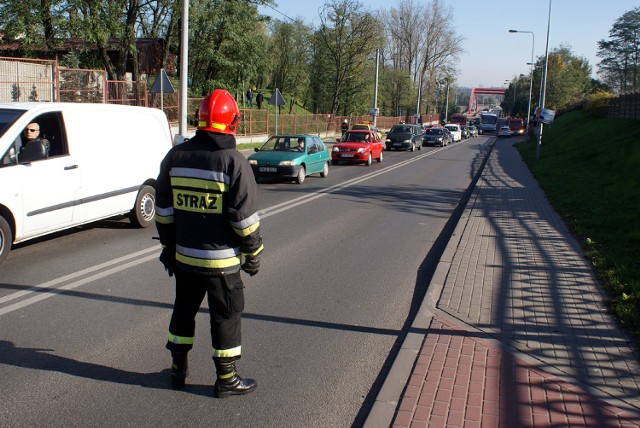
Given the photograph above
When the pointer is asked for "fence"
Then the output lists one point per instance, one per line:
(625, 106)
(27, 80)
(23, 79)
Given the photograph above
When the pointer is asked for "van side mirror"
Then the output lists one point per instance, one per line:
(34, 151)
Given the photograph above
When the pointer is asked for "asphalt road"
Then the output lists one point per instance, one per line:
(84, 313)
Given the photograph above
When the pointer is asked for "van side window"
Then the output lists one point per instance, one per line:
(52, 128)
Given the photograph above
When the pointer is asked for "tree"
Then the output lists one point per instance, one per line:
(568, 79)
(620, 54)
(34, 23)
(421, 42)
(291, 55)
(346, 39)
(227, 44)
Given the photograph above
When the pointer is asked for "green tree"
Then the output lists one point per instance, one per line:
(34, 23)
(620, 64)
(345, 42)
(568, 79)
(291, 55)
(227, 45)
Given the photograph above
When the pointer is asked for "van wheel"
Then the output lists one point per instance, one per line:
(144, 211)
(6, 239)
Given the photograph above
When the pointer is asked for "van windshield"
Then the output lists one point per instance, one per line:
(7, 117)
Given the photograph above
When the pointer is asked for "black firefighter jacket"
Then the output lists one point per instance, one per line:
(206, 205)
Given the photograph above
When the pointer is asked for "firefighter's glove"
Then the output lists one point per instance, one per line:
(251, 265)
(168, 259)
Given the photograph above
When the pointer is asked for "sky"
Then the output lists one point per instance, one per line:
(492, 54)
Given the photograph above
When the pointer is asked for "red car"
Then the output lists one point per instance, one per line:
(357, 146)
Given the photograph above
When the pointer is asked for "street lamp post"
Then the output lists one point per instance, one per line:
(544, 83)
(533, 41)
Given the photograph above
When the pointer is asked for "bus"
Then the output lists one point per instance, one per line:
(489, 122)
(459, 118)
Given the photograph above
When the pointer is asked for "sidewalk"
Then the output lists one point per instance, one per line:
(513, 331)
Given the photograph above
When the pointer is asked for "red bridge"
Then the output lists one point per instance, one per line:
(473, 99)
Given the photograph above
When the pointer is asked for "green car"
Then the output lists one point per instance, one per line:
(292, 156)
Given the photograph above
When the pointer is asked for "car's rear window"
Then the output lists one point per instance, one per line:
(401, 129)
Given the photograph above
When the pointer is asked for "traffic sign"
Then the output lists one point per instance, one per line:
(276, 99)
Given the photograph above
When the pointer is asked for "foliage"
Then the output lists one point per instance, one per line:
(290, 57)
(586, 169)
(620, 65)
(227, 45)
(345, 41)
(568, 79)
(597, 103)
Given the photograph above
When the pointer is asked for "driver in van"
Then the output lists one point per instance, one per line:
(32, 135)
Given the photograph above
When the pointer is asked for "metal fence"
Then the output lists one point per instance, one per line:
(24, 79)
(27, 80)
(625, 106)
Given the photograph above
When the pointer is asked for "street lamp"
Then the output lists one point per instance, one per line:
(544, 83)
(533, 40)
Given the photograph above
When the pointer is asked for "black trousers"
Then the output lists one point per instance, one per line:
(225, 295)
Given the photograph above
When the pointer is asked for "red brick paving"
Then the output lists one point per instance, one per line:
(463, 381)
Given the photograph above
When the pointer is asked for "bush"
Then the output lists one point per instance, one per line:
(596, 104)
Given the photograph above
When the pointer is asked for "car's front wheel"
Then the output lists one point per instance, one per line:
(301, 175)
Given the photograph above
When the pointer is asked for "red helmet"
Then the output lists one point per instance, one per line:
(219, 113)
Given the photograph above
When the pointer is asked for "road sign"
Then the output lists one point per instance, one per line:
(162, 85)
(276, 99)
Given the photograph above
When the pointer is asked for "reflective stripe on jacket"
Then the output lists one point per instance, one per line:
(206, 205)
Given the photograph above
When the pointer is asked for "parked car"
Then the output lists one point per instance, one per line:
(357, 146)
(292, 156)
(437, 136)
(455, 130)
(404, 137)
(473, 131)
(504, 131)
(465, 132)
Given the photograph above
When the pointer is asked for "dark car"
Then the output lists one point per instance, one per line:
(437, 137)
(404, 137)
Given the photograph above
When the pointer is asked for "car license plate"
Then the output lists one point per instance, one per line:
(397, 144)
(347, 155)
(267, 169)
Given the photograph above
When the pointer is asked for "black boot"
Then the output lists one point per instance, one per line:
(179, 369)
(228, 382)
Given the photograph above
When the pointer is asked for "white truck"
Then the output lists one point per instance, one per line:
(102, 161)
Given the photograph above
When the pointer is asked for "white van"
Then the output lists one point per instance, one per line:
(102, 161)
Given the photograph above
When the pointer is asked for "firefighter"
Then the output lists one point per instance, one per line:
(206, 216)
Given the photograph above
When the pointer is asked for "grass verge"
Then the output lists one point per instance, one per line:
(590, 171)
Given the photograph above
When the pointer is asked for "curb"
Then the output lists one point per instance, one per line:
(385, 405)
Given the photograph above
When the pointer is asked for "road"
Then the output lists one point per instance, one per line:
(347, 259)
